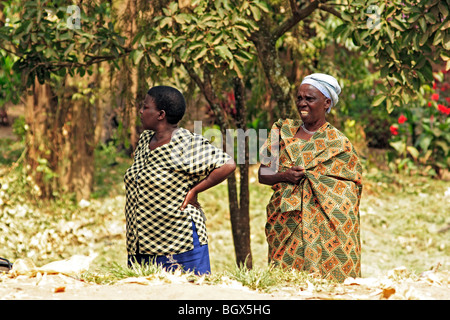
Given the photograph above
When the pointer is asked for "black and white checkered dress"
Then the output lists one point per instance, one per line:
(156, 185)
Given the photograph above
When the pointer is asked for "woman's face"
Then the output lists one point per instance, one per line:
(311, 104)
(149, 113)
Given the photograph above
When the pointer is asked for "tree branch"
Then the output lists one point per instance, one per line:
(297, 16)
(11, 52)
(331, 10)
(207, 89)
(94, 60)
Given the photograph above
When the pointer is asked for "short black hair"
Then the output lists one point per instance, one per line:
(170, 100)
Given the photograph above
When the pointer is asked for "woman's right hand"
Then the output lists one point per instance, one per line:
(294, 174)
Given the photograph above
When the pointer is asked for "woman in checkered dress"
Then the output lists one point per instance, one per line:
(165, 223)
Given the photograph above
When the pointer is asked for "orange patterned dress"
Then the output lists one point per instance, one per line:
(315, 225)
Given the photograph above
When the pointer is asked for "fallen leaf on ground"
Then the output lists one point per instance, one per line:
(75, 265)
(59, 289)
(387, 292)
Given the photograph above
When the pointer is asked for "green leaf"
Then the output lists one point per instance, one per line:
(184, 54)
(182, 18)
(169, 61)
(399, 146)
(427, 71)
(154, 60)
(346, 16)
(173, 6)
(430, 18)
(178, 42)
(195, 45)
(256, 13)
(390, 34)
(69, 49)
(237, 67)
(39, 47)
(443, 8)
(425, 142)
(414, 17)
(167, 21)
(224, 52)
(239, 36)
(384, 71)
(389, 106)
(201, 53)
(423, 24)
(339, 29)
(217, 39)
(262, 5)
(423, 38)
(413, 152)
(356, 38)
(446, 42)
(137, 56)
(438, 37)
(397, 24)
(244, 54)
(378, 100)
(445, 55)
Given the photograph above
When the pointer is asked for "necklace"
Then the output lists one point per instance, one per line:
(307, 131)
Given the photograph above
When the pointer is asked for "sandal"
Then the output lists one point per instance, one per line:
(5, 265)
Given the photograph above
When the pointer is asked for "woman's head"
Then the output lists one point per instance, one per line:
(317, 94)
(169, 100)
(326, 84)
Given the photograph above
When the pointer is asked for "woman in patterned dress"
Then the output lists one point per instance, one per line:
(165, 223)
(313, 219)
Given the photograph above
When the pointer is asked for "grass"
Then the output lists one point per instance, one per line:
(402, 218)
(259, 279)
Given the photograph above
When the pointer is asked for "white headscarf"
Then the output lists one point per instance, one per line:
(326, 84)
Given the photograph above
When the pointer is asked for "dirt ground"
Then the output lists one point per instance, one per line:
(48, 284)
(60, 287)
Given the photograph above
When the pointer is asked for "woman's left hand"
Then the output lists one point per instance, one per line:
(191, 198)
(215, 177)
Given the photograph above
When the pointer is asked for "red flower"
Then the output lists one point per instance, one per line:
(402, 119)
(434, 85)
(443, 109)
(435, 96)
(448, 100)
(429, 104)
(230, 96)
(394, 130)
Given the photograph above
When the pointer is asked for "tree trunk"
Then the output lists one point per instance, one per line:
(269, 58)
(80, 146)
(127, 83)
(239, 210)
(41, 159)
(60, 140)
(240, 221)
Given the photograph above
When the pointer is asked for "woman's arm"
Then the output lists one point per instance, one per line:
(267, 176)
(215, 177)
